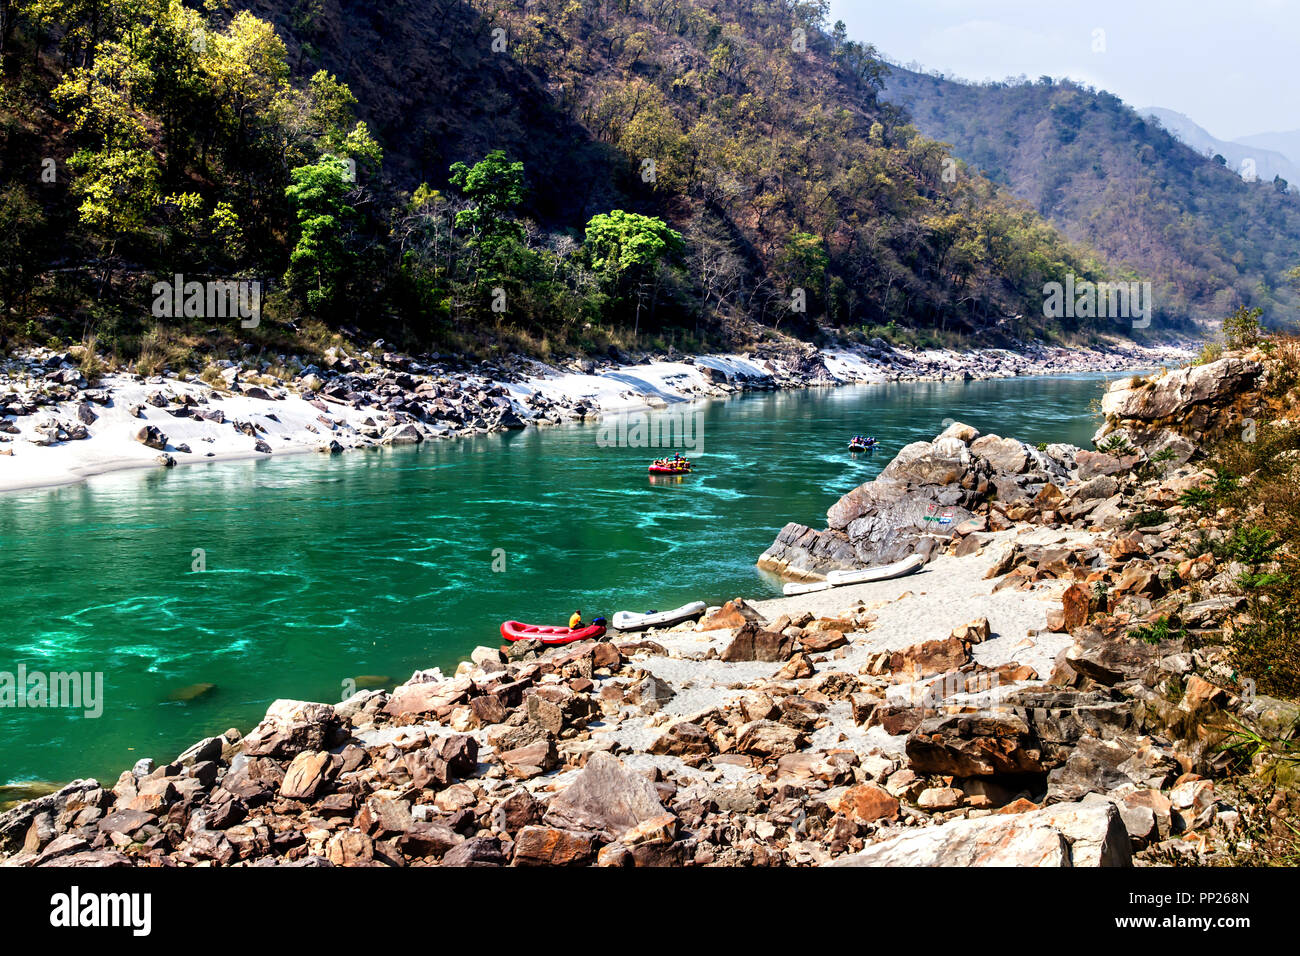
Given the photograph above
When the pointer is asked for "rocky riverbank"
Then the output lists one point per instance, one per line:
(56, 426)
(1052, 689)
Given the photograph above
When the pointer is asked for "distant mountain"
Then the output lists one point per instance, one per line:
(1245, 158)
(1121, 182)
(1288, 144)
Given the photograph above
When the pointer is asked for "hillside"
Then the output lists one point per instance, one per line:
(569, 175)
(1096, 169)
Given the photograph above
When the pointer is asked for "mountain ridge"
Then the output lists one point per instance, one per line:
(1100, 171)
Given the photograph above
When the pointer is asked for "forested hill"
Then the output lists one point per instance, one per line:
(1101, 172)
(557, 174)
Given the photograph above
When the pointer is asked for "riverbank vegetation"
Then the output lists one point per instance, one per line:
(574, 177)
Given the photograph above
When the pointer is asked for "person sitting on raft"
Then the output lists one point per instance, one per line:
(575, 621)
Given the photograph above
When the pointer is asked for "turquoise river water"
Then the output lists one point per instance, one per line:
(373, 564)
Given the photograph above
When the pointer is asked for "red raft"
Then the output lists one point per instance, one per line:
(664, 468)
(514, 631)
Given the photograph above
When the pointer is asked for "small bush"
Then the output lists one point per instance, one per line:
(1199, 499)
(1146, 519)
(1241, 330)
(1251, 545)
(1210, 352)
(1156, 632)
(1116, 444)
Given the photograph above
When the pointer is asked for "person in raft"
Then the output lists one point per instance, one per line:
(575, 622)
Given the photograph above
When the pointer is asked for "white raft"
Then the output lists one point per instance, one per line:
(632, 621)
(838, 579)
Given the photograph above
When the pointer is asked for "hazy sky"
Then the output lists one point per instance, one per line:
(1231, 65)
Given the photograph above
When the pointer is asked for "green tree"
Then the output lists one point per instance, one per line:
(321, 259)
(628, 249)
(496, 187)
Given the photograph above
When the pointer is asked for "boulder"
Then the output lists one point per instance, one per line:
(307, 776)
(683, 739)
(1087, 835)
(866, 803)
(766, 738)
(1004, 454)
(407, 434)
(802, 554)
(928, 659)
(963, 433)
(1059, 719)
(531, 760)
(974, 745)
(1173, 393)
(937, 799)
(292, 726)
(479, 851)
(735, 613)
(1075, 605)
(151, 437)
(752, 644)
(976, 632)
(605, 798)
(550, 846)
(891, 517)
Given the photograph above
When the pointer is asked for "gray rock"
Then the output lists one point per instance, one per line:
(1064, 835)
(605, 798)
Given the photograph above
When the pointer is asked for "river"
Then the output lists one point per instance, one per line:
(289, 577)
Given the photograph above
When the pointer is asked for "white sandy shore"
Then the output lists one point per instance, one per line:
(289, 424)
(927, 606)
(112, 447)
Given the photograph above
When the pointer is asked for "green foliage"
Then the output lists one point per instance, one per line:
(119, 189)
(197, 145)
(1198, 498)
(22, 223)
(1210, 352)
(1116, 444)
(496, 187)
(1251, 545)
(320, 259)
(1158, 631)
(1146, 519)
(621, 242)
(1241, 330)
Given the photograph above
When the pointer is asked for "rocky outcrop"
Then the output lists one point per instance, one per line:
(1178, 409)
(916, 504)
